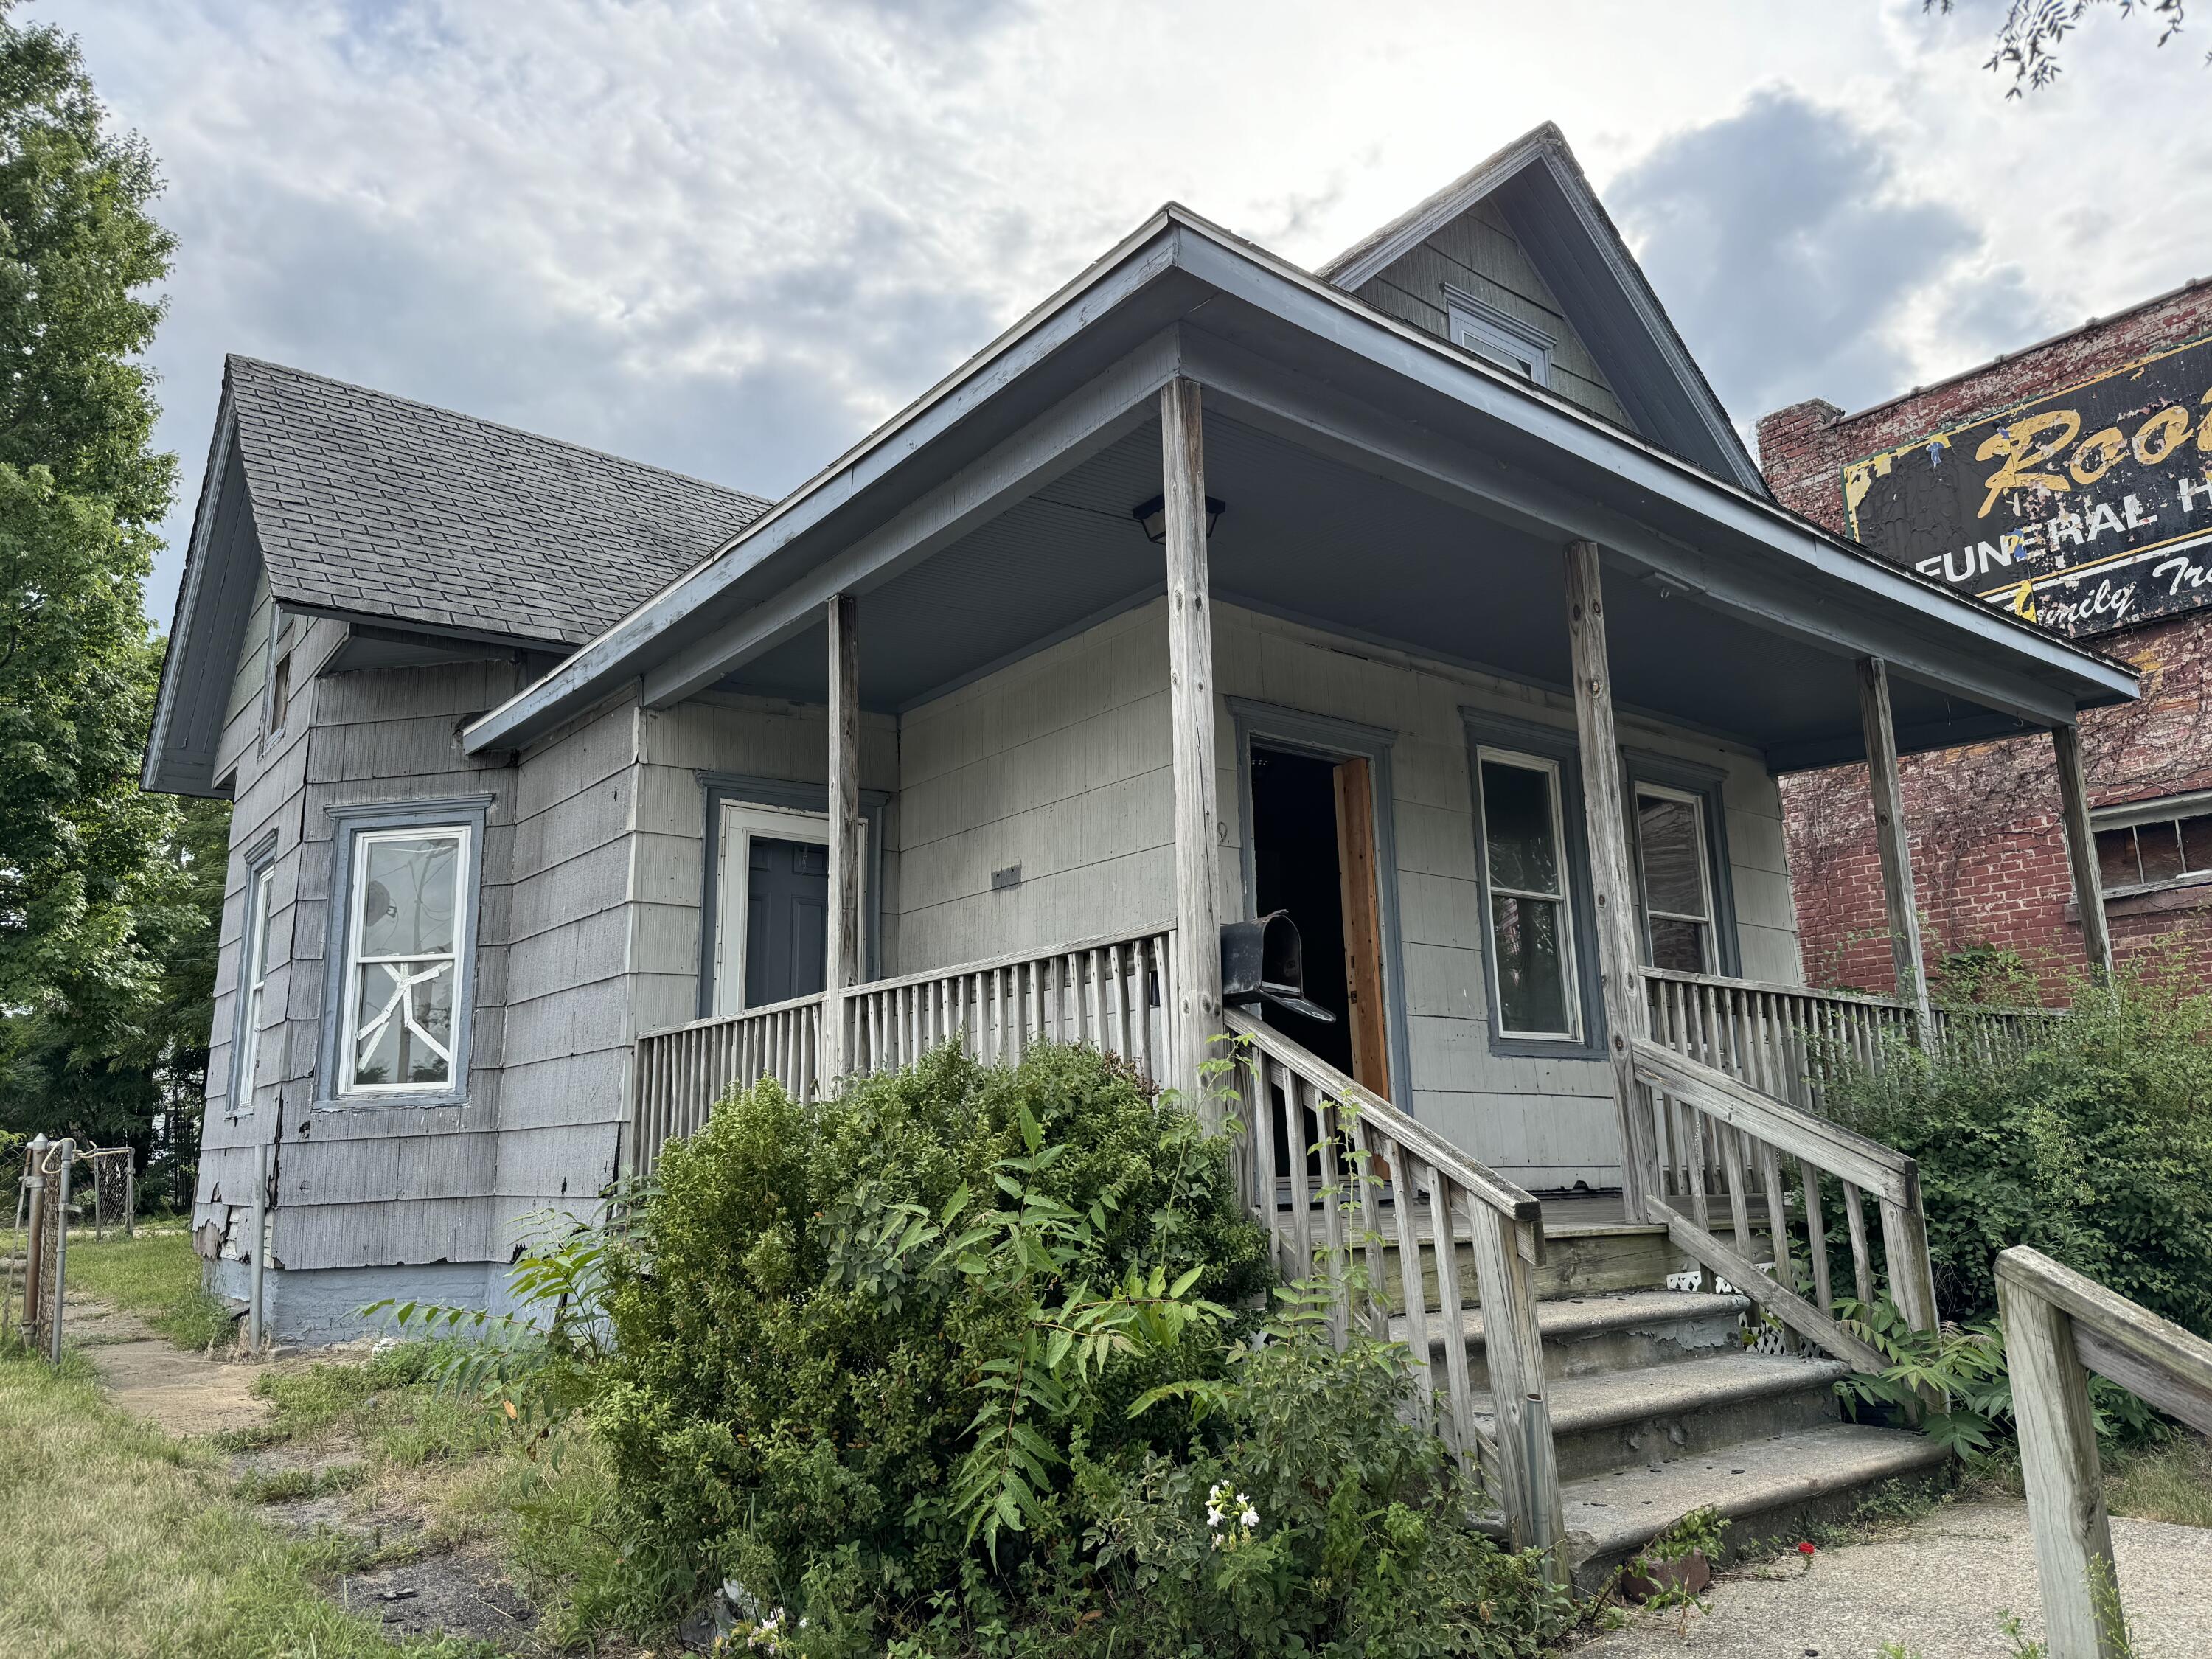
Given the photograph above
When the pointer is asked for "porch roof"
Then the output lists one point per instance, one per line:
(1379, 483)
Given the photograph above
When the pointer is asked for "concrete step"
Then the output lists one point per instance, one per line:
(1581, 1258)
(1585, 1335)
(1768, 1489)
(1628, 1419)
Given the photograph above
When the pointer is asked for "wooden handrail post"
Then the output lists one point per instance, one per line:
(2082, 849)
(1619, 947)
(842, 956)
(1197, 1015)
(1893, 839)
(2065, 1485)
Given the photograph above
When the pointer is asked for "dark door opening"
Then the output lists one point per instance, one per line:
(787, 920)
(1297, 867)
(1313, 855)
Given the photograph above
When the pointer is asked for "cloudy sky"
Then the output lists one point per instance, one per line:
(730, 237)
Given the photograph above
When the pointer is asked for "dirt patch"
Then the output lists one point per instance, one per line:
(460, 1593)
(181, 1393)
(1935, 1588)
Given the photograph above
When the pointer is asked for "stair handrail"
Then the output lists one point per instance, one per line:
(1712, 1130)
(2060, 1326)
(1366, 1149)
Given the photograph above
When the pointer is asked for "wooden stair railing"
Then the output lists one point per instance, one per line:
(2059, 1326)
(1368, 1153)
(1720, 1140)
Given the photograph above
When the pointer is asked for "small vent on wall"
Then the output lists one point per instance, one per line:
(1003, 879)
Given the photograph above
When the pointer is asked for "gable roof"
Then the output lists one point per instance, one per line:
(1541, 190)
(371, 507)
(374, 505)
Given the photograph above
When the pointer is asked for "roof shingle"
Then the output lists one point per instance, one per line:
(441, 518)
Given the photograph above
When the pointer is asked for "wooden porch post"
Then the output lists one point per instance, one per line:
(1196, 1015)
(842, 953)
(2082, 849)
(1620, 954)
(1894, 839)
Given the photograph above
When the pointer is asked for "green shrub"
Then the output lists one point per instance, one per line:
(2095, 1147)
(792, 1398)
(950, 1366)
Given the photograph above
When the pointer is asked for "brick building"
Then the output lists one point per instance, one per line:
(1987, 847)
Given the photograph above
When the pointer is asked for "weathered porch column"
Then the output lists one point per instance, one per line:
(1619, 948)
(1894, 839)
(2082, 849)
(842, 957)
(1196, 1015)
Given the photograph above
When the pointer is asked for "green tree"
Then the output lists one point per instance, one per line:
(100, 907)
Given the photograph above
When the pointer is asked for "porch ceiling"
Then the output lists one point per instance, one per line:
(1311, 537)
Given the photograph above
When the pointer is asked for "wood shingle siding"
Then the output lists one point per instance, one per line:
(1478, 254)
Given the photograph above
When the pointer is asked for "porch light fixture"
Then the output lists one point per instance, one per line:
(1154, 515)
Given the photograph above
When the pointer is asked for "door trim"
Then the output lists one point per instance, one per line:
(1324, 737)
(791, 796)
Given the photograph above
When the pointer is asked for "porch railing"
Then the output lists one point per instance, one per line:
(1786, 1040)
(1109, 992)
(1349, 1153)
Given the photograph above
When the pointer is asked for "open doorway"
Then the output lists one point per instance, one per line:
(1313, 855)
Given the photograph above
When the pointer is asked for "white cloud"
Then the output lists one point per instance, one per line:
(730, 237)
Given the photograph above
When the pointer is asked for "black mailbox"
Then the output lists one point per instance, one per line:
(1263, 961)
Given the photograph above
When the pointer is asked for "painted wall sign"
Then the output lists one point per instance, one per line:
(2087, 509)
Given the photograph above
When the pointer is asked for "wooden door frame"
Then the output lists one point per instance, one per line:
(1325, 738)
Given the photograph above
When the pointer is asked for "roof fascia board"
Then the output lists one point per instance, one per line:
(1328, 314)
(1138, 261)
(1635, 292)
(185, 623)
(1249, 388)
(1079, 427)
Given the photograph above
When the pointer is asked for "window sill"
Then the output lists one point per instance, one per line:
(1514, 1046)
(410, 1100)
(2195, 894)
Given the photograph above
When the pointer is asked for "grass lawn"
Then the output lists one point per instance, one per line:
(155, 1276)
(120, 1541)
(2173, 1482)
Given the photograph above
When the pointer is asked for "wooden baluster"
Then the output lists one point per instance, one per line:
(1265, 1199)
(1334, 1198)
(1371, 1229)
(1732, 1151)
(1861, 1258)
(1777, 1221)
(1294, 1118)
(1911, 1277)
(1452, 1302)
(1117, 1002)
(1700, 1211)
(1816, 1236)
(1404, 1179)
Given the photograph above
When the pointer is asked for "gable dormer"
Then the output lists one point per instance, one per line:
(1518, 263)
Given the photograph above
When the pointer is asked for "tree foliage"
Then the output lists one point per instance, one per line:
(2033, 30)
(107, 894)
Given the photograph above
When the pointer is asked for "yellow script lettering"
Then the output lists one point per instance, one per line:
(2023, 445)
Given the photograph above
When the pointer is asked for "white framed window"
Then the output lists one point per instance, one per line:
(252, 985)
(1532, 925)
(403, 978)
(1502, 338)
(772, 891)
(1673, 848)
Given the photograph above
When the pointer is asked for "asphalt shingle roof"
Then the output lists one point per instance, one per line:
(378, 506)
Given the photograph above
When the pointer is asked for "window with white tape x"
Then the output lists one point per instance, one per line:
(404, 969)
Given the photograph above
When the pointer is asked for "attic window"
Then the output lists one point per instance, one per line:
(1505, 340)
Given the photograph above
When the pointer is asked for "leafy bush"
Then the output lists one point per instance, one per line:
(953, 1364)
(798, 1377)
(2095, 1147)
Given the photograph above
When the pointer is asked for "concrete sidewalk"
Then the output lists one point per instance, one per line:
(1936, 1588)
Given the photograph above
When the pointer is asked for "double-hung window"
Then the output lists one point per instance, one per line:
(1672, 848)
(1532, 925)
(403, 927)
(2152, 845)
(253, 984)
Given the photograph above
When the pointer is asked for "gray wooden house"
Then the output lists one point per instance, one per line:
(1430, 596)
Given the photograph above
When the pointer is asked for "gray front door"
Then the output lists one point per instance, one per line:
(787, 911)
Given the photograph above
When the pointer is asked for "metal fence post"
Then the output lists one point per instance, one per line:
(59, 1221)
(34, 1248)
(130, 1194)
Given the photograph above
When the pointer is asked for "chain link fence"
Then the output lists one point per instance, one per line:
(61, 1185)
